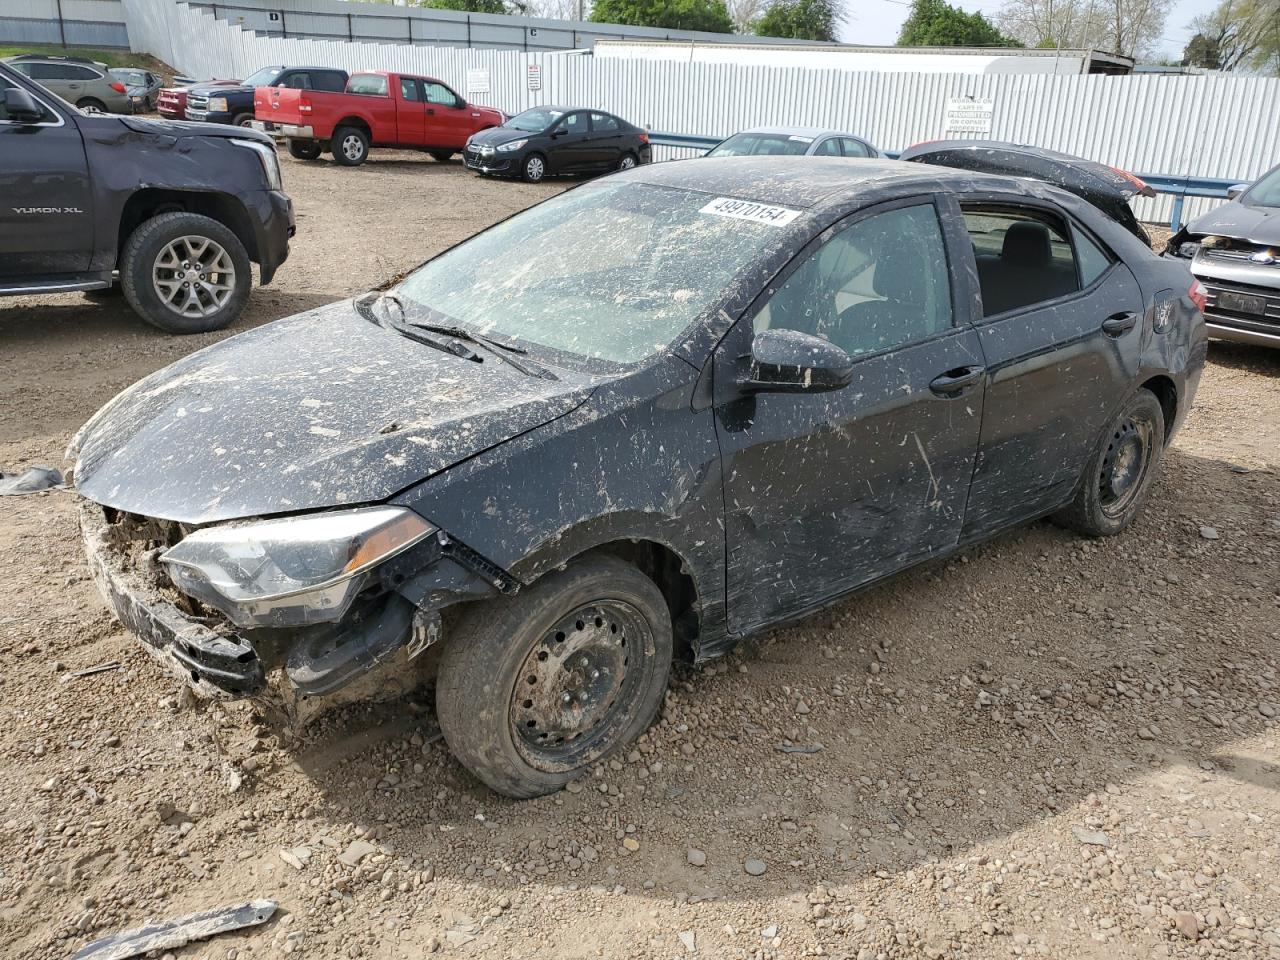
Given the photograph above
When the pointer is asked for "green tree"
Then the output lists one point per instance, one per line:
(709, 15)
(1202, 51)
(935, 23)
(800, 20)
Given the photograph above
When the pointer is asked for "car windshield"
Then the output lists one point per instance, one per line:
(611, 272)
(263, 77)
(534, 121)
(762, 145)
(1266, 192)
(134, 78)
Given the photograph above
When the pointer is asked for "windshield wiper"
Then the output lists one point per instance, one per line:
(494, 346)
(410, 331)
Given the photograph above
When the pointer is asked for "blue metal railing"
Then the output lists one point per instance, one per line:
(1178, 187)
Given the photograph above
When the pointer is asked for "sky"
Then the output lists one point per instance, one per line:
(878, 21)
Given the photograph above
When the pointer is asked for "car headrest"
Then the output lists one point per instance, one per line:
(1026, 244)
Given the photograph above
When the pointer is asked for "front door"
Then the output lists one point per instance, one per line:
(46, 213)
(825, 492)
(449, 119)
(1061, 333)
(571, 147)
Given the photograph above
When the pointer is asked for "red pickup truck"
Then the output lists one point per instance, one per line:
(376, 109)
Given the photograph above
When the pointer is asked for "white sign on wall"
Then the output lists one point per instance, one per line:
(535, 76)
(477, 80)
(968, 115)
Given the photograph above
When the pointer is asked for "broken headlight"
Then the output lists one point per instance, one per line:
(294, 571)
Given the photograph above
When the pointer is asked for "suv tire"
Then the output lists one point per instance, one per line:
(142, 272)
(595, 635)
(1120, 471)
(242, 120)
(350, 146)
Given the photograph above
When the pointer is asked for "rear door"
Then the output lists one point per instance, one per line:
(411, 113)
(824, 492)
(606, 141)
(449, 120)
(46, 213)
(1061, 332)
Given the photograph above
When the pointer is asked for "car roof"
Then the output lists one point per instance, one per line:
(563, 109)
(814, 132)
(802, 182)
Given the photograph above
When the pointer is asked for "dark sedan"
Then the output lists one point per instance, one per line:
(546, 141)
(1235, 251)
(646, 418)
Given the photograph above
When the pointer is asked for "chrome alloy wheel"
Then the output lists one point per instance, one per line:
(193, 276)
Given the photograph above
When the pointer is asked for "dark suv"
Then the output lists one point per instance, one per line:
(174, 212)
(222, 104)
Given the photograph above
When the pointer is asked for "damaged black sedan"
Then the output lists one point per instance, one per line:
(641, 420)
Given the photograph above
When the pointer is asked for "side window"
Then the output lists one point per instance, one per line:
(603, 123)
(879, 283)
(369, 84)
(439, 93)
(46, 71)
(573, 123)
(83, 73)
(854, 148)
(5, 87)
(1024, 257)
(333, 82)
(298, 81)
(1094, 261)
(409, 90)
(829, 147)
(23, 68)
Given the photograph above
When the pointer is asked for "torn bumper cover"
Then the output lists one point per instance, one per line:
(399, 608)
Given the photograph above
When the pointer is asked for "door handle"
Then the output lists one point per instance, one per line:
(957, 381)
(430, 112)
(1119, 323)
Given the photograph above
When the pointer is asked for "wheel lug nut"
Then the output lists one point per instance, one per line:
(567, 698)
(595, 674)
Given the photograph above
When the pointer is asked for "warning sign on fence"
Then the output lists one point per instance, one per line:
(968, 115)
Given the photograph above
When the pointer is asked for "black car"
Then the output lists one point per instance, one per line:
(546, 141)
(643, 419)
(173, 212)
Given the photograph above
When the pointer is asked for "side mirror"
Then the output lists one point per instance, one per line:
(20, 106)
(460, 104)
(788, 361)
(1236, 189)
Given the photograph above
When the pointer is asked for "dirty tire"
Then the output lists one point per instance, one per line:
(304, 149)
(138, 261)
(1100, 509)
(350, 146)
(441, 156)
(89, 103)
(499, 645)
(242, 120)
(535, 168)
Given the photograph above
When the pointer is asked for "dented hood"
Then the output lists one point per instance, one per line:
(318, 410)
(1241, 221)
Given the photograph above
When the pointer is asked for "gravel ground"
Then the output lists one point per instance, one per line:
(1045, 746)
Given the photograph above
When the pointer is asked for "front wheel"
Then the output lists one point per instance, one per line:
(535, 167)
(185, 273)
(535, 689)
(304, 149)
(350, 146)
(1120, 471)
(242, 120)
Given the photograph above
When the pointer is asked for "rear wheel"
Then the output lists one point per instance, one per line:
(1120, 472)
(350, 146)
(535, 689)
(441, 156)
(91, 104)
(185, 273)
(242, 120)
(535, 167)
(627, 162)
(304, 149)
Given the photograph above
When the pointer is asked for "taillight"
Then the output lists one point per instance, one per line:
(304, 106)
(644, 138)
(1199, 295)
(118, 87)
(1139, 184)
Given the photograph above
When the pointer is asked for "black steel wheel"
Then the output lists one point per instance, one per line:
(535, 689)
(1120, 471)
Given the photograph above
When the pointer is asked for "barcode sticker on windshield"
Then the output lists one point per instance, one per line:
(749, 210)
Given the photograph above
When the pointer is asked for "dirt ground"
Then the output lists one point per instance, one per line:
(1045, 746)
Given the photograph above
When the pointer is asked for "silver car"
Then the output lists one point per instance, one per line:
(78, 80)
(141, 86)
(795, 142)
(1235, 252)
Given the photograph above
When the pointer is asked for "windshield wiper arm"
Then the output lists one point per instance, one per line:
(410, 331)
(462, 333)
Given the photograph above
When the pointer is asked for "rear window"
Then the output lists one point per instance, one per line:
(1024, 257)
(368, 84)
